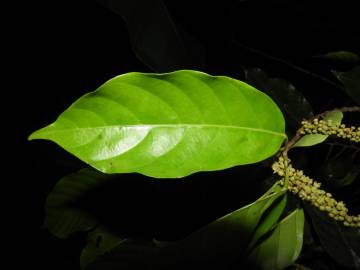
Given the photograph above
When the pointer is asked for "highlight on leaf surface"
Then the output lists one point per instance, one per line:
(169, 125)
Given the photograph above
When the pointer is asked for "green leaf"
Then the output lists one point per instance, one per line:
(341, 170)
(291, 102)
(349, 178)
(229, 235)
(340, 242)
(169, 125)
(335, 116)
(351, 81)
(312, 139)
(217, 245)
(156, 38)
(341, 56)
(99, 241)
(283, 246)
(134, 254)
(62, 218)
(269, 220)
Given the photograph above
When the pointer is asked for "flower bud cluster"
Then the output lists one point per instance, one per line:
(309, 190)
(329, 128)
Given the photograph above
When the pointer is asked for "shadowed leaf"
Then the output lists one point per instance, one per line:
(283, 246)
(217, 245)
(99, 241)
(340, 242)
(351, 81)
(62, 218)
(341, 57)
(269, 219)
(340, 170)
(157, 40)
(291, 102)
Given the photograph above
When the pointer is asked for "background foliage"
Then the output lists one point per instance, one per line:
(88, 43)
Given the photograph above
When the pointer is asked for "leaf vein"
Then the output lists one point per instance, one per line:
(176, 126)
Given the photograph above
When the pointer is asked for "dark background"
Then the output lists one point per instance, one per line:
(60, 50)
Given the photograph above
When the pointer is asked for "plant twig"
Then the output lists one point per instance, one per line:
(298, 134)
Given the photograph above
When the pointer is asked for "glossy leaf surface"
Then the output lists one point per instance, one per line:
(169, 125)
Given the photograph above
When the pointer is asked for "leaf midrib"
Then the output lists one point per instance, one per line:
(173, 126)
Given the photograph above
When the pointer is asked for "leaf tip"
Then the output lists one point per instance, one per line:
(35, 135)
(39, 134)
(32, 136)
